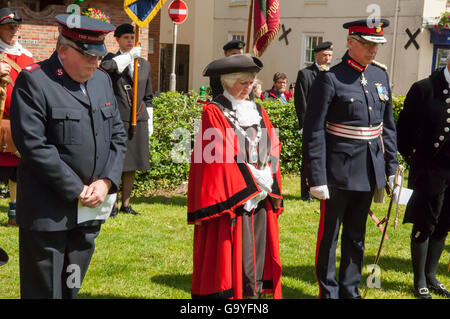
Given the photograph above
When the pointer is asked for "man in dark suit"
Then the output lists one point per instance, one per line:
(351, 148)
(423, 132)
(67, 128)
(120, 67)
(323, 53)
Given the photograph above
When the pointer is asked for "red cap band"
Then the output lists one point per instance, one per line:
(82, 37)
(360, 29)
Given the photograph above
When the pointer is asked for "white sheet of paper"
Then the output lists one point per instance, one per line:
(101, 212)
(405, 195)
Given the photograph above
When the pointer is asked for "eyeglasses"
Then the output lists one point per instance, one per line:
(367, 44)
(80, 51)
(282, 82)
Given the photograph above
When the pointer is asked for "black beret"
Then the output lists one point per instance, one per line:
(3, 257)
(233, 64)
(234, 44)
(368, 29)
(323, 46)
(123, 29)
(87, 33)
(8, 15)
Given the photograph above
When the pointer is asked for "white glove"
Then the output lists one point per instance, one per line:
(135, 52)
(125, 59)
(320, 192)
(264, 179)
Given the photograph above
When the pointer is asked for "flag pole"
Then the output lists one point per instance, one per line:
(135, 83)
(249, 27)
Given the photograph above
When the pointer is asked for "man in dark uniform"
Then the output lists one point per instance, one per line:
(66, 125)
(423, 132)
(323, 53)
(350, 139)
(120, 67)
(230, 48)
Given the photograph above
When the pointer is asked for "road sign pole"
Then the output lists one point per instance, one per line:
(173, 77)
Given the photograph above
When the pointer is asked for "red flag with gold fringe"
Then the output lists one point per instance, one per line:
(266, 24)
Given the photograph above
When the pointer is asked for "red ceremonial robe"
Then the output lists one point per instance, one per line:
(218, 184)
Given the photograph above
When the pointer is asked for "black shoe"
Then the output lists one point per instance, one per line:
(439, 289)
(307, 198)
(128, 210)
(422, 293)
(114, 211)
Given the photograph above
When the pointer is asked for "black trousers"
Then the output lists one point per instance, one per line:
(53, 264)
(349, 209)
(254, 232)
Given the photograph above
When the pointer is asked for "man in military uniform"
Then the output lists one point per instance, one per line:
(350, 139)
(423, 132)
(120, 67)
(66, 125)
(230, 48)
(323, 53)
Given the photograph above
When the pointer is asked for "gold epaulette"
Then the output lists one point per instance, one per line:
(380, 65)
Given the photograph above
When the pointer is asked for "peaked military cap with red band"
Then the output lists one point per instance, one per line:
(369, 29)
(87, 33)
(8, 15)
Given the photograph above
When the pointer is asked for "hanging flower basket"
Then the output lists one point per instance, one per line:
(444, 23)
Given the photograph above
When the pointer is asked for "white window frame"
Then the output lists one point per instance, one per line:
(307, 56)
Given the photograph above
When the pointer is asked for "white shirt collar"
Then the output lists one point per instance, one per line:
(447, 75)
(16, 49)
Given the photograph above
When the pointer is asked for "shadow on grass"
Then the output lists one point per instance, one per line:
(177, 200)
(93, 296)
(178, 281)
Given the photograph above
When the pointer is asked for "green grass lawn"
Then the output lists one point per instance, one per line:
(150, 256)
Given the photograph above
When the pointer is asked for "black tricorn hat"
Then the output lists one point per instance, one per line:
(323, 46)
(87, 33)
(233, 64)
(8, 15)
(234, 44)
(123, 29)
(3, 257)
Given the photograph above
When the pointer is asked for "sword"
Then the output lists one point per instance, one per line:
(399, 172)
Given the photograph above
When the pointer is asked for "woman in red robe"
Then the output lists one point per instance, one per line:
(234, 191)
(13, 58)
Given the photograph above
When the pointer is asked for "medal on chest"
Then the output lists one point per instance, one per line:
(382, 92)
(363, 80)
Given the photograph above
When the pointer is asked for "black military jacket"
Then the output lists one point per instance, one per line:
(119, 80)
(338, 96)
(67, 139)
(305, 79)
(424, 123)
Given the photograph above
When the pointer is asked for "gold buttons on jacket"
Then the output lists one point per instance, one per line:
(441, 138)
(446, 129)
(436, 145)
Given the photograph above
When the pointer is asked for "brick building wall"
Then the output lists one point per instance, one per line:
(39, 30)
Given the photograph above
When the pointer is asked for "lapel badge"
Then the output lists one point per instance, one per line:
(60, 72)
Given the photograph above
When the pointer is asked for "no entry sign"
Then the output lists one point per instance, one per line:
(178, 11)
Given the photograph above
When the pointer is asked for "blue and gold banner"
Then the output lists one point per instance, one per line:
(142, 11)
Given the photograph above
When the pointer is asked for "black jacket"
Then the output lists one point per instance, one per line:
(67, 139)
(145, 92)
(305, 79)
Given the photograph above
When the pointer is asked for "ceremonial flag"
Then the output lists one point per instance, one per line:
(266, 24)
(142, 11)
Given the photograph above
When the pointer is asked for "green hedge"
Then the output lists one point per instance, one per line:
(175, 112)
